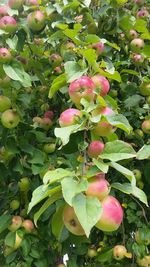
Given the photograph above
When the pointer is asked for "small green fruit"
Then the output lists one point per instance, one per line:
(24, 184)
(15, 204)
(137, 174)
(49, 148)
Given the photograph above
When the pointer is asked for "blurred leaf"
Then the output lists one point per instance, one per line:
(5, 220)
(101, 165)
(144, 152)
(126, 172)
(73, 71)
(56, 175)
(57, 84)
(10, 239)
(119, 121)
(57, 223)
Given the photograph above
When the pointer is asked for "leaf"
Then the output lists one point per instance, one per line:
(10, 239)
(133, 72)
(87, 2)
(105, 256)
(73, 71)
(118, 150)
(5, 220)
(57, 84)
(119, 121)
(101, 165)
(72, 187)
(91, 57)
(144, 152)
(138, 193)
(133, 101)
(57, 223)
(125, 188)
(45, 206)
(55, 175)
(115, 76)
(126, 172)
(88, 211)
(146, 51)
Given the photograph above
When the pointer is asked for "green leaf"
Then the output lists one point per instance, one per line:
(88, 211)
(72, 187)
(126, 23)
(125, 188)
(119, 121)
(146, 51)
(138, 193)
(141, 26)
(5, 220)
(55, 175)
(133, 101)
(133, 72)
(57, 84)
(105, 256)
(92, 38)
(45, 206)
(117, 150)
(57, 223)
(144, 152)
(10, 239)
(126, 172)
(115, 76)
(73, 71)
(101, 165)
(91, 57)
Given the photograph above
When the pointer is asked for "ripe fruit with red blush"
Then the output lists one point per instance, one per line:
(45, 123)
(49, 114)
(119, 252)
(3, 11)
(98, 187)
(143, 13)
(112, 215)
(103, 128)
(95, 148)
(15, 224)
(8, 24)
(99, 47)
(5, 55)
(36, 21)
(28, 226)
(81, 88)
(146, 126)
(133, 34)
(32, 3)
(71, 221)
(69, 117)
(16, 4)
(137, 45)
(138, 59)
(101, 83)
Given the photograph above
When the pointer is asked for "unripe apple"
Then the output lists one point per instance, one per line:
(113, 93)
(15, 204)
(5, 55)
(95, 148)
(137, 174)
(70, 45)
(8, 24)
(92, 253)
(15, 224)
(119, 252)
(143, 13)
(49, 114)
(49, 148)
(133, 34)
(142, 237)
(112, 215)
(101, 83)
(137, 45)
(98, 187)
(144, 262)
(36, 21)
(5, 81)
(71, 221)
(28, 226)
(3, 11)
(140, 184)
(16, 4)
(10, 119)
(103, 128)
(46, 123)
(18, 242)
(5, 103)
(146, 126)
(138, 59)
(57, 70)
(69, 117)
(55, 58)
(145, 88)
(24, 184)
(82, 88)
(139, 133)
(99, 47)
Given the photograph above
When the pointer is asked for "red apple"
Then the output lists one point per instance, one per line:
(143, 13)
(95, 148)
(10, 119)
(81, 88)
(138, 59)
(146, 126)
(106, 111)
(137, 45)
(15, 224)
(3, 11)
(8, 24)
(145, 88)
(103, 128)
(49, 114)
(133, 34)
(101, 83)
(119, 252)
(28, 226)
(69, 117)
(45, 123)
(5, 55)
(99, 47)
(55, 58)
(71, 221)
(32, 3)
(36, 21)
(16, 4)
(5, 103)
(112, 215)
(98, 187)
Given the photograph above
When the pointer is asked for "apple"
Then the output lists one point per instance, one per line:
(36, 21)
(98, 187)
(55, 58)
(45, 123)
(3, 11)
(71, 221)
(140, 184)
(5, 55)
(28, 226)
(137, 45)
(113, 93)
(101, 83)
(137, 174)
(70, 45)
(5, 103)
(146, 126)
(15, 204)
(139, 133)
(69, 117)
(91, 253)
(8, 24)
(49, 148)
(119, 252)
(139, 2)
(142, 236)
(103, 128)
(5, 81)
(49, 114)
(15, 224)
(95, 148)
(112, 215)
(99, 47)
(24, 184)
(133, 34)
(16, 4)
(82, 88)
(106, 111)
(138, 59)
(10, 119)
(32, 3)
(143, 13)
(145, 88)
(144, 262)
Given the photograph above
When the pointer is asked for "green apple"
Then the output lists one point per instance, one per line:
(10, 119)
(5, 103)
